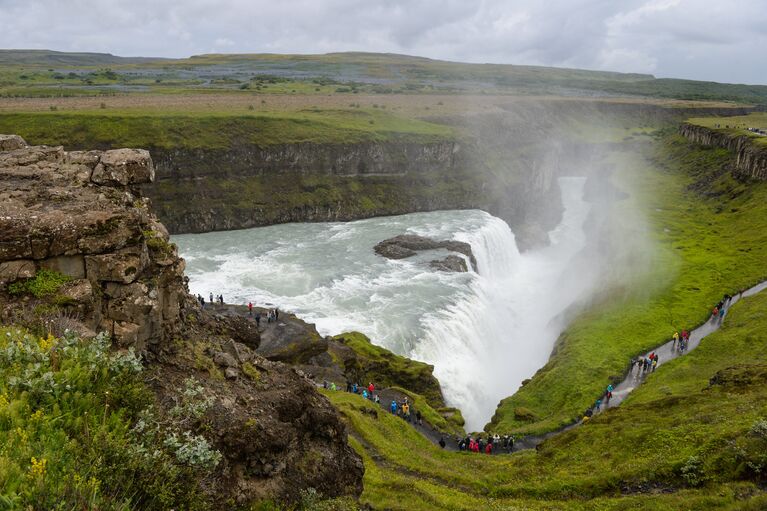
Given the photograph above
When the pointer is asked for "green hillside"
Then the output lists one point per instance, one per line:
(709, 236)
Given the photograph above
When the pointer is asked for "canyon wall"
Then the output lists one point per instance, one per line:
(750, 156)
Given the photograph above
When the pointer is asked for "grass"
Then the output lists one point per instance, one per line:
(709, 236)
(69, 434)
(44, 283)
(678, 442)
(173, 130)
(338, 74)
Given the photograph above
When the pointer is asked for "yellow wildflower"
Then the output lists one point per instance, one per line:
(46, 343)
(3, 401)
(38, 467)
(37, 416)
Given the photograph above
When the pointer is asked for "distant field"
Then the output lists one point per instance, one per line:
(53, 74)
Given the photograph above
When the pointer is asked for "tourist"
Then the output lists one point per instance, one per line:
(364, 394)
(654, 364)
(376, 399)
(418, 418)
(489, 448)
(333, 386)
(598, 404)
(211, 298)
(675, 339)
(371, 387)
(406, 411)
(258, 320)
(276, 314)
(721, 314)
(442, 442)
(393, 407)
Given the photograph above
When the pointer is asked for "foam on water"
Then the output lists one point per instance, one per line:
(484, 333)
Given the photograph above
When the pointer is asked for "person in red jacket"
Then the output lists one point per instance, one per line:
(489, 448)
(371, 388)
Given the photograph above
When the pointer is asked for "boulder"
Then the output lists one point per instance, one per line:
(71, 266)
(450, 263)
(407, 245)
(11, 142)
(124, 167)
(123, 268)
(11, 271)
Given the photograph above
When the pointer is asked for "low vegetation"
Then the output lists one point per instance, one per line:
(78, 430)
(709, 233)
(692, 437)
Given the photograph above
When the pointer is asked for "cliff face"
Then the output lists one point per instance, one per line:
(108, 266)
(751, 160)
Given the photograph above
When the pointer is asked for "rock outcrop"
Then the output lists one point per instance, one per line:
(79, 242)
(408, 245)
(751, 158)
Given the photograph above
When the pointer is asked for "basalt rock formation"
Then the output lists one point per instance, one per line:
(80, 248)
(408, 245)
(751, 159)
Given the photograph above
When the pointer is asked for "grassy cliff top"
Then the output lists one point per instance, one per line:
(736, 125)
(206, 130)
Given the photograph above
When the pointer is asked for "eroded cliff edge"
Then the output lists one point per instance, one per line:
(77, 218)
(750, 158)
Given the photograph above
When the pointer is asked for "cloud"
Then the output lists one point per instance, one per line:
(699, 39)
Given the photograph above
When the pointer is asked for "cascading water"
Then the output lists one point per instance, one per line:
(484, 333)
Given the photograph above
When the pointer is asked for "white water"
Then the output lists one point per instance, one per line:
(484, 333)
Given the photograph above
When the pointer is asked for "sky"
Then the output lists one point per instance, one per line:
(716, 40)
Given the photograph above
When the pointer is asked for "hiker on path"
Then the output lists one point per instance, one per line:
(675, 339)
(393, 407)
(258, 320)
(250, 308)
(721, 314)
(442, 442)
(211, 298)
(418, 418)
(276, 313)
(371, 387)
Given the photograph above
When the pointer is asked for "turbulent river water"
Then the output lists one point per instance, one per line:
(484, 332)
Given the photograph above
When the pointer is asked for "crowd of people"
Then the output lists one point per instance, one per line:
(679, 343)
(212, 300)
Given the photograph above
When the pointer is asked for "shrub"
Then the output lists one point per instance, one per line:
(44, 283)
(78, 431)
(692, 471)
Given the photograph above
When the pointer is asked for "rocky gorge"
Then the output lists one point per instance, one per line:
(80, 249)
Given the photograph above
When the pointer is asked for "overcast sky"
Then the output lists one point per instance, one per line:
(721, 40)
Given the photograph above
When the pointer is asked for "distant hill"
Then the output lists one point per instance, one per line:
(378, 73)
(58, 58)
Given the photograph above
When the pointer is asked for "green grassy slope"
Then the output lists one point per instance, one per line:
(171, 130)
(678, 442)
(710, 233)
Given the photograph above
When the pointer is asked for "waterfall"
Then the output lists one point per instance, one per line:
(483, 332)
(503, 328)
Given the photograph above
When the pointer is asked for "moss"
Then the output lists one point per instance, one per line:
(203, 362)
(44, 283)
(251, 372)
(386, 369)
